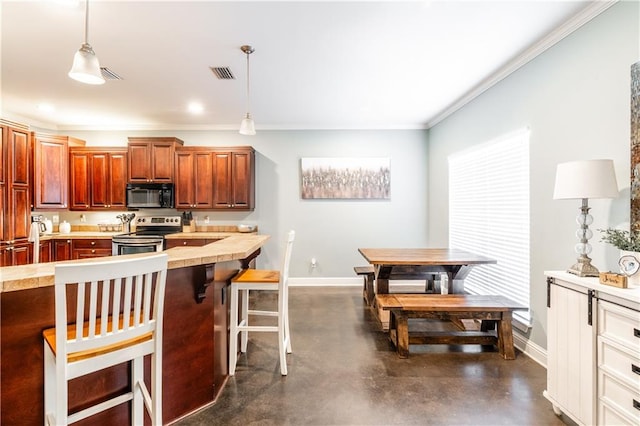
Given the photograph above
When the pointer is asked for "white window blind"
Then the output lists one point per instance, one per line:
(489, 215)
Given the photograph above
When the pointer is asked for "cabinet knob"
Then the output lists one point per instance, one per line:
(93, 251)
(184, 243)
(93, 243)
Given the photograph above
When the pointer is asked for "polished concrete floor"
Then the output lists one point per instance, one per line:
(344, 371)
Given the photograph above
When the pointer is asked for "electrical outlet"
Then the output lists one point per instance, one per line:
(314, 263)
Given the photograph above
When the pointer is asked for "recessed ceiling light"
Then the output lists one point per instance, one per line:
(195, 108)
(44, 107)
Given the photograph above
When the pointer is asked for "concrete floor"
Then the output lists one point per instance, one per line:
(344, 371)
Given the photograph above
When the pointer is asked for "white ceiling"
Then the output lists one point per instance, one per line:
(317, 65)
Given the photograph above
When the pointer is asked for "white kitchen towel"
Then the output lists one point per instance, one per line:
(34, 237)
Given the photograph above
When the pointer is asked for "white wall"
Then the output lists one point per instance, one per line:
(575, 99)
(329, 230)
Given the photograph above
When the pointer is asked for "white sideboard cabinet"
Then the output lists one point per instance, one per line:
(593, 350)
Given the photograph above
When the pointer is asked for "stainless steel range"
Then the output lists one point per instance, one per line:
(148, 236)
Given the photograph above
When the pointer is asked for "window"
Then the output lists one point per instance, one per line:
(489, 215)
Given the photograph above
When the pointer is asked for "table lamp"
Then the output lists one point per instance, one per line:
(583, 180)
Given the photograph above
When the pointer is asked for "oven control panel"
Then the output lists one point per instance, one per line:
(160, 221)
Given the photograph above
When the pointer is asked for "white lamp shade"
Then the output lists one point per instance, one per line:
(247, 127)
(86, 68)
(585, 179)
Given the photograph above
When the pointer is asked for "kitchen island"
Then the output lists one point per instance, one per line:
(195, 335)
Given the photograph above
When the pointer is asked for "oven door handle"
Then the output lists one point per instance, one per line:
(137, 243)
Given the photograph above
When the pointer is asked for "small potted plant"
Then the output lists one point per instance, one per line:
(629, 244)
(621, 239)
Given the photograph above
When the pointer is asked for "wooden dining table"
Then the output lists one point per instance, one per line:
(422, 264)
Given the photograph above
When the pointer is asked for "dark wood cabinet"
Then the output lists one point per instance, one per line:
(88, 248)
(51, 170)
(152, 159)
(194, 178)
(46, 252)
(98, 179)
(15, 190)
(16, 253)
(234, 179)
(62, 250)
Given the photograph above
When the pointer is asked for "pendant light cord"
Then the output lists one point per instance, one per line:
(248, 88)
(86, 22)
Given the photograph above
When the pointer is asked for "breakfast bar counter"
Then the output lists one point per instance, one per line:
(195, 331)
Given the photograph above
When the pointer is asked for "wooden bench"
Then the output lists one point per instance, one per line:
(450, 307)
(369, 276)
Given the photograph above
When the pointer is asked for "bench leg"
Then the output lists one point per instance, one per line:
(369, 293)
(402, 332)
(505, 337)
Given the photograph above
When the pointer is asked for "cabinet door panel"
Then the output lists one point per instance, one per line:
(99, 180)
(118, 180)
(51, 172)
(222, 174)
(45, 252)
(79, 182)
(139, 166)
(242, 180)
(184, 187)
(162, 162)
(20, 208)
(570, 349)
(19, 152)
(3, 157)
(62, 250)
(21, 254)
(203, 180)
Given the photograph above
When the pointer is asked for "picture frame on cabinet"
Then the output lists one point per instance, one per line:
(345, 178)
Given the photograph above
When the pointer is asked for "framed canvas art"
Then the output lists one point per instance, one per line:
(345, 178)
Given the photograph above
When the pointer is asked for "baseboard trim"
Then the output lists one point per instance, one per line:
(533, 351)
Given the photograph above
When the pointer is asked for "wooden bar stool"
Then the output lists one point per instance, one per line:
(257, 279)
(118, 318)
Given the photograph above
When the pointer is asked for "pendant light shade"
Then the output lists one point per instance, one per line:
(86, 68)
(247, 126)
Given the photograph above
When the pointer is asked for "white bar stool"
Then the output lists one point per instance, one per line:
(98, 339)
(257, 279)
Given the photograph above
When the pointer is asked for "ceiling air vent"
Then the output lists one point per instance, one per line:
(223, 73)
(107, 74)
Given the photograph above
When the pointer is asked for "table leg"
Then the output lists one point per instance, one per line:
(382, 279)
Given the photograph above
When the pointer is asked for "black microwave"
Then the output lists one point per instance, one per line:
(149, 195)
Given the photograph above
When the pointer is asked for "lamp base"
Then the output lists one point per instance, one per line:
(584, 268)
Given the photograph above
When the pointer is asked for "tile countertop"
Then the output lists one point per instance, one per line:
(234, 246)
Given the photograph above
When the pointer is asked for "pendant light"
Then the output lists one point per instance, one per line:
(86, 68)
(247, 127)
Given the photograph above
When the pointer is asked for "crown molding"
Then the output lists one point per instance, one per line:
(576, 22)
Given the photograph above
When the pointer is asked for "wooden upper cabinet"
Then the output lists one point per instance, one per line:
(15, 193)
(98, 178)
(152, 159)
(3, 181)
(194, 178)
(234, 178)
(17, 210)
(51, 170)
